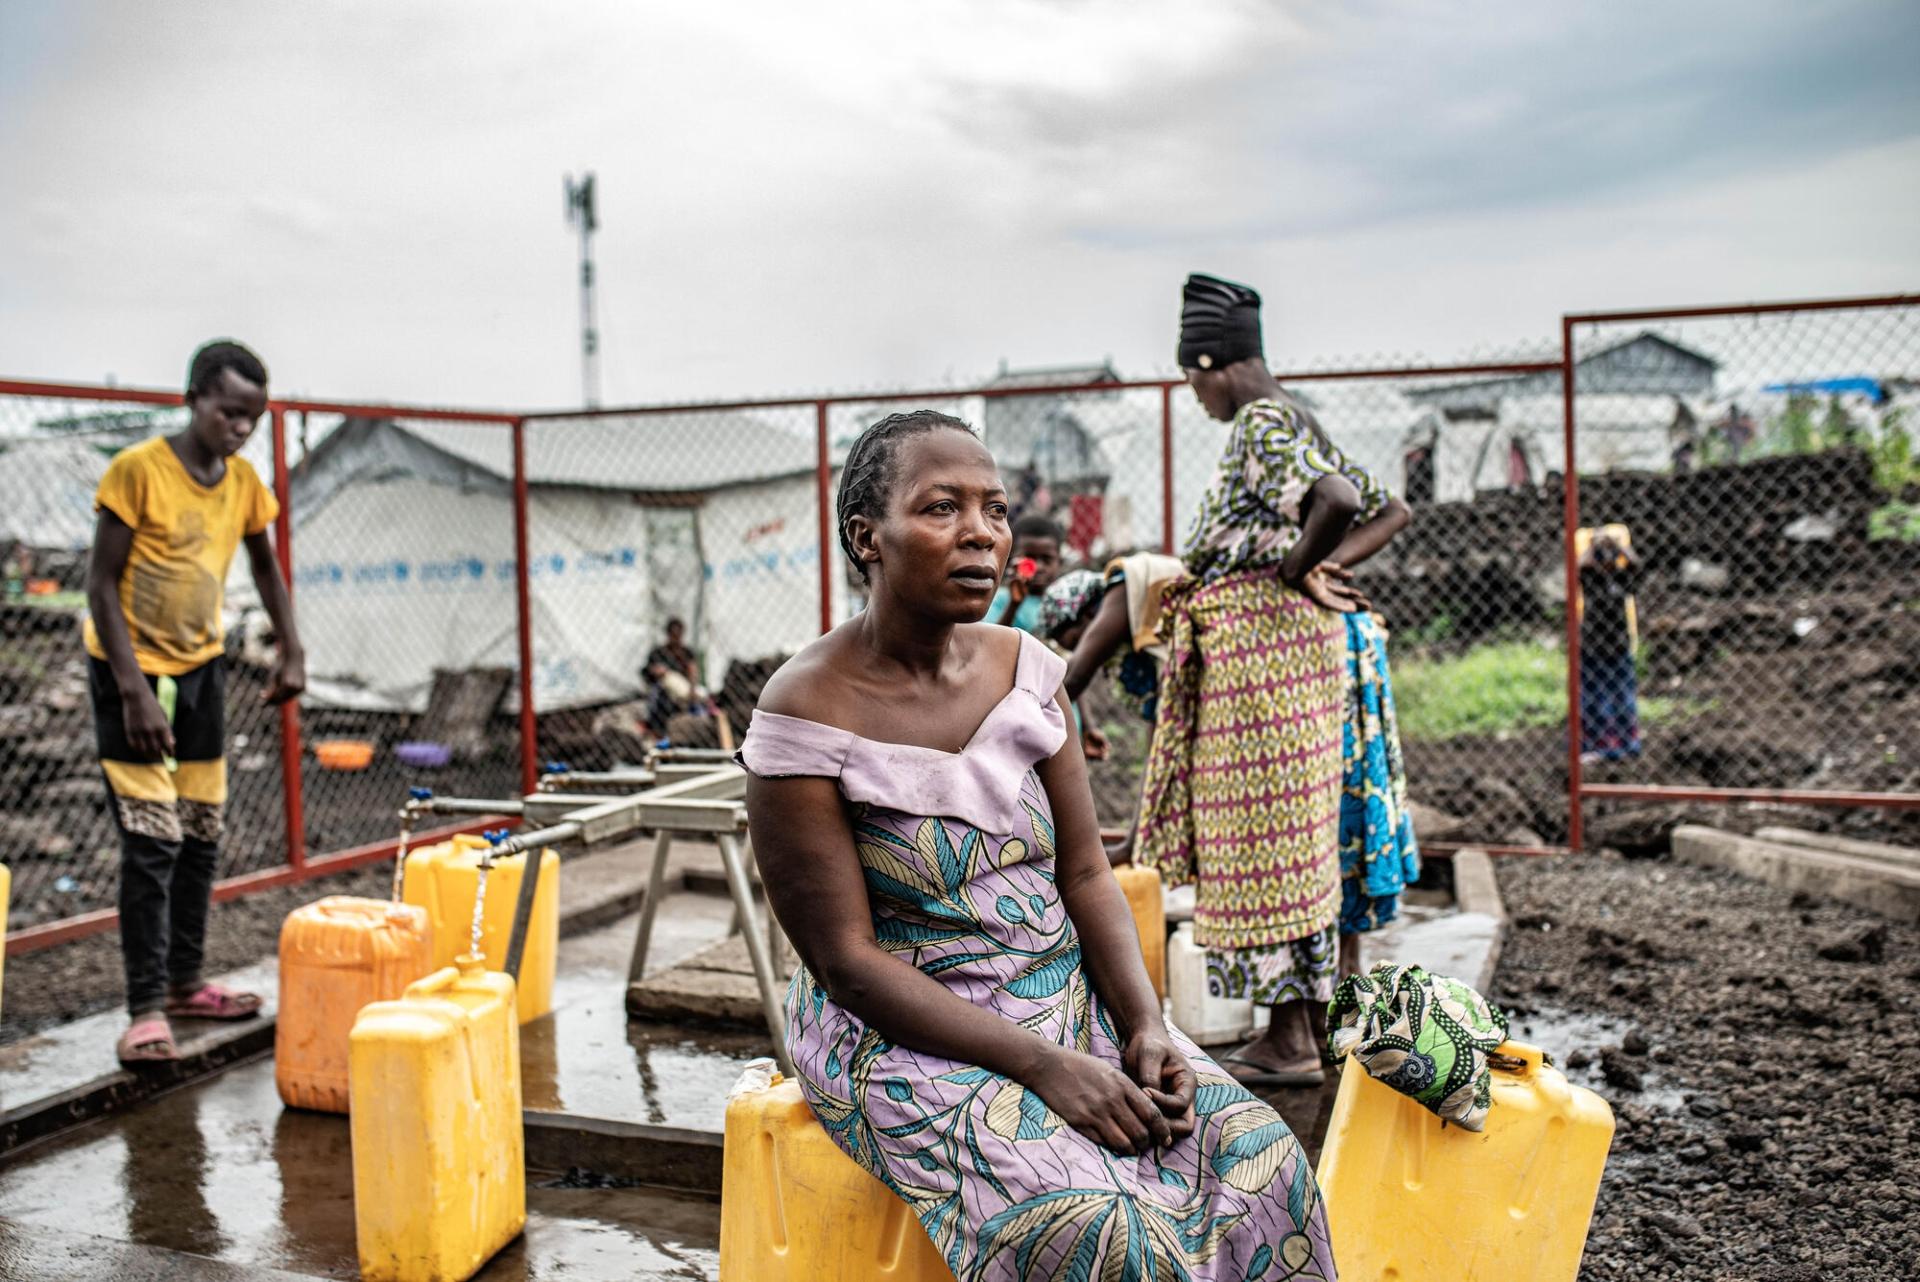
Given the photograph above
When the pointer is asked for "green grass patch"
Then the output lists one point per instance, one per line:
(1495, 689)
(21, 664)
(1505, 686)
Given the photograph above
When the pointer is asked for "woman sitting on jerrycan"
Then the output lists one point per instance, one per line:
(972, 1023)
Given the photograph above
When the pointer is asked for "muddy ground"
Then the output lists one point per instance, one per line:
(1762, 1055)
(1795, 691)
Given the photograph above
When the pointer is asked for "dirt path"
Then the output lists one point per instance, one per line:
(1761, 1052)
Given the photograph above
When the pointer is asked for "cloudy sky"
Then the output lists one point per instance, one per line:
(865, 195)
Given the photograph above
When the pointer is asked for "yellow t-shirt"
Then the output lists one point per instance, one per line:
(184, 536)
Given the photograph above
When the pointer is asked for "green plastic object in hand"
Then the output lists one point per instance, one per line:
(168, 691)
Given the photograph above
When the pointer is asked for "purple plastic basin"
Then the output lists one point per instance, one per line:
(423, 756)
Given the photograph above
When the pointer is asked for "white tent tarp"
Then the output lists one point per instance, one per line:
(762, 554)
(404, 563)
(46, 492)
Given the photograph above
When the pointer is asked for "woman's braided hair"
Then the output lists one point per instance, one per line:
(866, 479)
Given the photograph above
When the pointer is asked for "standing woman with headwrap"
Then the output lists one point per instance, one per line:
(1242, 789)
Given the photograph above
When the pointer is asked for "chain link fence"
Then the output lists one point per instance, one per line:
(1758, 474)
(674, 560)
(1761, 464)
(717, 512)
(56, 833)
(404, 589)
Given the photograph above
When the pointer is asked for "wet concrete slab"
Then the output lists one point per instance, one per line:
(219, 1171)
(1435, 933)
(54, 1255)
(68, 1075)
(714, 986)
(587, 1059)
(631, 1100)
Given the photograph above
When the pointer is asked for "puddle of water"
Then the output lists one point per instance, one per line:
(588, 1059)
(221, 1170)
(1560, 1031)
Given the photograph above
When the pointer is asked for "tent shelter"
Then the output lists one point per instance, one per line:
(1637, 400)
(403, 551)
(47, 485)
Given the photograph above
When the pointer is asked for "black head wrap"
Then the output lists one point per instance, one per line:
(1219, 323)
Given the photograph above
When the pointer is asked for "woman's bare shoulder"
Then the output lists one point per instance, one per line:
(996, 647)
(811, 685)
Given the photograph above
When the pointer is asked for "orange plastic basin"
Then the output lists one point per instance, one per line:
(343, 754)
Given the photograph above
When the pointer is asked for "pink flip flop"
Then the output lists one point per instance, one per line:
(214, 1001)
(148, 1040)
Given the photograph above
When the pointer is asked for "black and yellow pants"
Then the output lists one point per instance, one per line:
(169, 821)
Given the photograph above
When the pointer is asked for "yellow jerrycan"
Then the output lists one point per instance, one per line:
(439, 1159)
(793, 1208)
(337, 955)
(1410, 1200)
(1148, 901)
(6, 902)
(442, 878)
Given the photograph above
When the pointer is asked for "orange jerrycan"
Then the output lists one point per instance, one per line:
(1148, 901)
(336, 956)
(443, 879)
(1414, 1201)
(793, 1208)
(439, 1163)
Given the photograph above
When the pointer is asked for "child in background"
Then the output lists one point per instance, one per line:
(172, 510)
(1111, 622)
(1031, 569)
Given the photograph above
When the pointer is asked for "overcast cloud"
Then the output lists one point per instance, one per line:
(873, 195)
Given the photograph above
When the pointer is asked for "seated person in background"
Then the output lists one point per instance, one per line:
(1031, 570)
(673, 678)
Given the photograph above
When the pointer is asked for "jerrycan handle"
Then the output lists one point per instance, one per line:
(438, 982)
(1518, 1058)
(465, 966)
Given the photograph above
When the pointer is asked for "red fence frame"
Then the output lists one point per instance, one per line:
(1578, 790)
(300, 866)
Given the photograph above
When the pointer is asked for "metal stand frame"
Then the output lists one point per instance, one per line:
(695, 797)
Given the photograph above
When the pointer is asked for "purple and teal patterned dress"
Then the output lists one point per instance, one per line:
(957, 853)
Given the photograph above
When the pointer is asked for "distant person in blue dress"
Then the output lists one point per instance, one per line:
(1037, 540)
(1609, 685)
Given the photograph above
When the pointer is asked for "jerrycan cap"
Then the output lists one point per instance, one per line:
(470, 966)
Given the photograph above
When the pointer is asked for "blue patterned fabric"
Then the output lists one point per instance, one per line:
(1379, 856)
(1136, 674)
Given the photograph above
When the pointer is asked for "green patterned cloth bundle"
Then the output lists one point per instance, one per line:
(1426, 1036)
